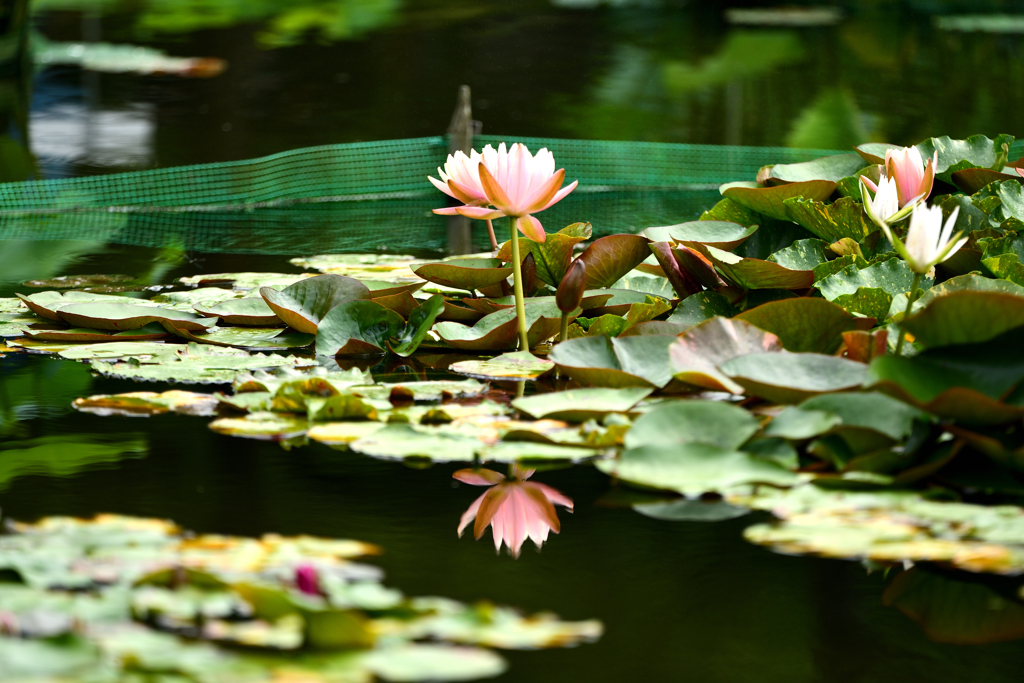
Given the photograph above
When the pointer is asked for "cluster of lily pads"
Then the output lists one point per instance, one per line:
(746, 360)
(121, 598)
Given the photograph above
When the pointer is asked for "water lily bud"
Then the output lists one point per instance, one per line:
(570, 290)
(307, 580)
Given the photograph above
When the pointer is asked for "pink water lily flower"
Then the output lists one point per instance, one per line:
(515, 509)
(914, 177)
(519, 185)
(460, 180)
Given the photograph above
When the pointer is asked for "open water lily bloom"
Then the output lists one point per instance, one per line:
(460, 179)
(914, 177)
(518, 184)
(929, 242)
(515, 509)
(884, 207)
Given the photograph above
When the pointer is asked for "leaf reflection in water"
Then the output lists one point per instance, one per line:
(514, 508)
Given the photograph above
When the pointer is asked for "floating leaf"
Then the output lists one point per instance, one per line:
(580, 405)
(121, 317)
(834, 167)
(770, 200)
(500, 330)
(251, 311)
(609, 362)
(521, 365)
(865, 410)
(81, 334)
(465, 273)
(694, 468)
(611, 257)
(46, 304)
(693, 421)
(793, 377)
(802, 324)
(751, 273)
(420, 321)
(554, 254)
(685, 510)
(431, 390)
(302, 305)
(971, 180)
(197, 363)
(976, 151)
(843, 218)
(702, 306)
(891, 276)
(79, 281)
(148, 403)
(868, 301)
(357, 327)
(253, 338)
(386, 288)
(801, 255)
(697, 354)
(264, 426)
(719, 234)
(965, 317)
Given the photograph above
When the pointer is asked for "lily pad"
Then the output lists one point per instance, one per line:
(357, 327)
(580, 405)
(793, 377)
(79, 281)
(197, 363)
(302, 305)
(420, 321)
(864, 410)
(553, 255)
(976, 151)
(391, 267)
(802, 324)
(251, 311)
(696, 355)
(843, 218)
(971, 180)
(834, 167)
(386, 288)
(121, 317)
(695, 468)
(500, 330)
(610, 257)
(722, 235)
(891, 276)
(640, 361)
(693, 421)
(264, 426)
(519, 365)
(702, 306)
(146, 403)
(46, 304)
(81, 334)
(770, 201)
(685, 510)
(965, 317)
(465, 273)
(254, 338)
(751, 273)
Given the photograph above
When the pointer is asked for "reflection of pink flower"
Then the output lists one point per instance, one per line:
(914, 177)
(515, 509)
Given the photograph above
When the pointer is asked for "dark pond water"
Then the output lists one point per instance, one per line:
(679, 600)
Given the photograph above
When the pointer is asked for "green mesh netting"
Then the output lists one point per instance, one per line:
(366, 196)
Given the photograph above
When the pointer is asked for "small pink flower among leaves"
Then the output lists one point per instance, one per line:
(307, 579)
(515, 509)
(913, 176)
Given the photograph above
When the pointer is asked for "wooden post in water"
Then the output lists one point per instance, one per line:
(460, 137)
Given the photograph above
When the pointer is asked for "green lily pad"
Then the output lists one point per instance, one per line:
(357, 327)
(553, 255)
(251, 311)
(401, 441)
(148, 403)
(802, 324)
(892, 527)
(770, 201)
(868, 301)
(719, 234)
(971, 180)
(976, 151)
(598, 302)
(79, 281)
(263, 426)
(500, 330)
(600, 361)
(121, 317)
(81, 334)
(793, 377)
(420, 321)
(244, 281)
(197, 363)
(302, 305)
(834, 167)
(611, 257)
(751, 273)
(386, 288)
(695, 468)
(391, 267)
(253, 338)
(685, 510)
(965, 317)
(969, 282)
(843, 218)
(430, 390)
(693, 421)
(403, 303)
(151, 351)
(465, 273)
(696, 355)
(702, 306)
(891, 276)
(46, 304)
(521, 365)
(864, 410)
(418, 662)
(580, 405)
(801, 255)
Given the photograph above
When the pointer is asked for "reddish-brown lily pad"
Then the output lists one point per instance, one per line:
(120, 317)
(468, 273)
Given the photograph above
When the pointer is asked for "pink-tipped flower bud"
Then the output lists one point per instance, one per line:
(307, 579)
(570, 290)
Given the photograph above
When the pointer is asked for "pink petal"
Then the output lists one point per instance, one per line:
(495, 192)
(522, 473)
(494, 499)
(870, 183)
(532, 228)
(478, 212)
(479, 477)
(448, 211)
(561, 194)
(469, 514)
(441, 186)
(541, 197)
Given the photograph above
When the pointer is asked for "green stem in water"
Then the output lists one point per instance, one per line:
(490, 233)
(517, 282)
(910, 302)
(565, 327)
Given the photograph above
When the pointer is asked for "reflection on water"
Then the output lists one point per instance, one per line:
(514, 508)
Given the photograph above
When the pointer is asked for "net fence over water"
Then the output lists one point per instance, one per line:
(367, 196)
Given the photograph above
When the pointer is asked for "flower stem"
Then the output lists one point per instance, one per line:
(490, 233)
(517, 282)
(565, 327)
(910, 302)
